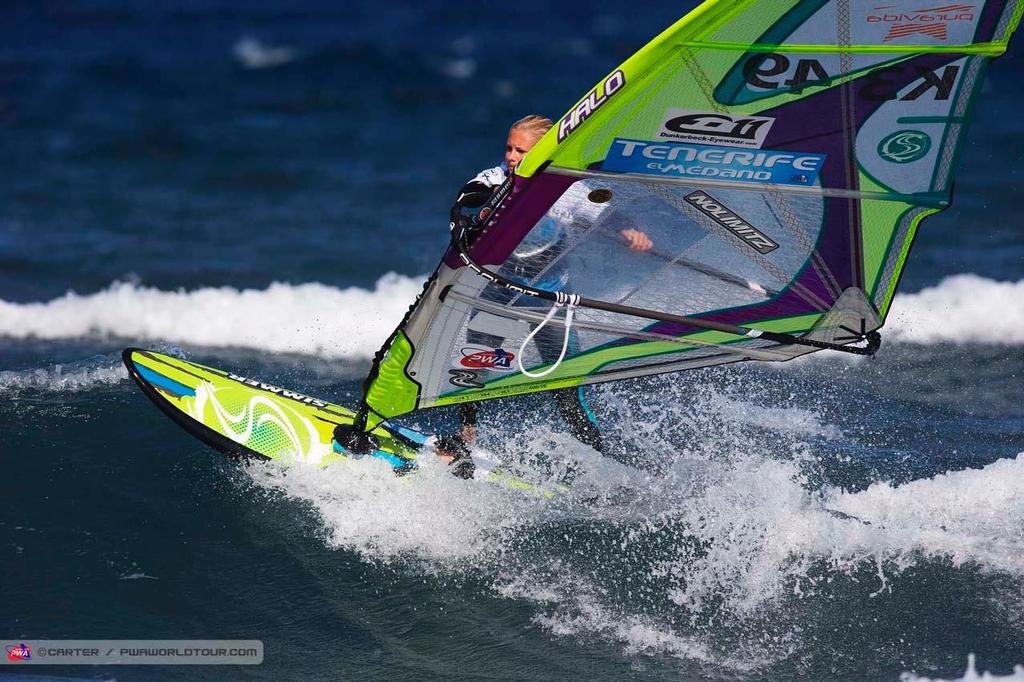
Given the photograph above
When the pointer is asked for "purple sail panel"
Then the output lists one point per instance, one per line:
(525, 205)
(826, 123)
(989, 21)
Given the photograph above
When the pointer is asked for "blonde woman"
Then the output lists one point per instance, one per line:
(535, 257)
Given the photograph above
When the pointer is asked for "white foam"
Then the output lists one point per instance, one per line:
(766, 535)
(765, 529)
(971, 675)
(636, 633)
(459, 69)
(314, 319)
(960, 309)
(70, 377)
(253, 54)
(793, 420)
(444, 522)
(721, 535)
(317, 319)
(974, 515)
(446, 525)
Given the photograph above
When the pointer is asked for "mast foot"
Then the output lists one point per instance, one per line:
(355, 440)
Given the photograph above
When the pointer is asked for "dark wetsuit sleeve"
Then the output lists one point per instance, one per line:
(474, 194)
(468, 413)
(578, 417)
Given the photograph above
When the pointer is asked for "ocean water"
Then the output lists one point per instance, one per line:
(263, 188)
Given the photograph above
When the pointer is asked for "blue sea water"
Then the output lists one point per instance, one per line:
(262, 187)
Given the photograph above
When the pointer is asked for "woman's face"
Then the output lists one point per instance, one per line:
(518, 143)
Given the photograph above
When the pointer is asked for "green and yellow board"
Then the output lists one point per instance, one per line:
(246, 417)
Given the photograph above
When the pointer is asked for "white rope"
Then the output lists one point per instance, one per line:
(568, 300)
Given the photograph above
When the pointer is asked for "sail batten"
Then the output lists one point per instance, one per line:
(938, 200)
(993, 49)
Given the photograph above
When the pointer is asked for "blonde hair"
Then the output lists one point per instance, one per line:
(534, 124)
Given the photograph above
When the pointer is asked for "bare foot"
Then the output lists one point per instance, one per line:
(452, 446)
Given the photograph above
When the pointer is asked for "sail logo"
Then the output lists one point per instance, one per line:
(463, 378)
(707, 127)
(481, 357)
(930, 21)
(713, 163)
(19, 652)
(730, 220)
(591, 103)
(283, 392)
(905, 146)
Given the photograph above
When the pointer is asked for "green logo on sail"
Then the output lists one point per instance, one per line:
(905, 146)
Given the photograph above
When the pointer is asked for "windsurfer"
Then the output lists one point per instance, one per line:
(522, 136)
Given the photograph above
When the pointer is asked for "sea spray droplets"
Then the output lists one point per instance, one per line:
(431, 519)
(749, 523)
(77, 376)
(714, 559)
(791, 420)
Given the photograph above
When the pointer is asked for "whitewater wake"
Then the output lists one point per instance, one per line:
(700, 556)
(74, 376)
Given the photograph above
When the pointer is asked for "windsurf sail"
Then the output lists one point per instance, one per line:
(780, 156)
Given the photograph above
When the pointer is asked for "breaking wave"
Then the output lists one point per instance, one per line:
(960, 309)
(705, 562)
(321, 320)
(313, 319)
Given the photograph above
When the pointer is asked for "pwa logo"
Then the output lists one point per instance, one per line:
(931, 21)
(905, 146)
(715, 128)
(19, 652)
(479, 357)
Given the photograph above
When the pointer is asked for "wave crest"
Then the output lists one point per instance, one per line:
(325, 321)
(312, 319)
